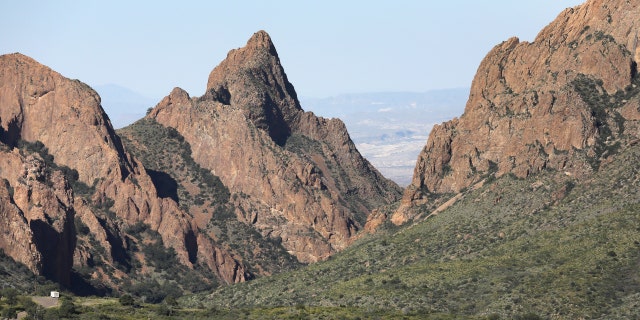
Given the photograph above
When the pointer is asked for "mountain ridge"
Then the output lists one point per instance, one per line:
(537, 105)
(288, 187)
(523, 207)
(303, 149)
(59, 144)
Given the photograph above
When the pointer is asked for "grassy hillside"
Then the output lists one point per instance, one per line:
(547, 246)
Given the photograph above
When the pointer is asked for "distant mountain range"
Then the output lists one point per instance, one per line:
(390, 128)
(124, 106)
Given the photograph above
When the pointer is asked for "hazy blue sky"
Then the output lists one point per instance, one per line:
(326, 47)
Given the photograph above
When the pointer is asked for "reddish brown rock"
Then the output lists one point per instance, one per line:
(527, 109)
(296, 178)
(16, 238)
(221, 261)
(37, 208)
(306, 183)
(38, 104)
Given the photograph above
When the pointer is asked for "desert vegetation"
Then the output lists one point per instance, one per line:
(167, 157)
(543, 246)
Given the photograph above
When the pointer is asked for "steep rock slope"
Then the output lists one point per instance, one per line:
(37, 217)
(557, 103)
(167, 157)
(65, 169)
(296, 177)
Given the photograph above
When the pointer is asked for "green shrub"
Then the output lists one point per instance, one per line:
(9, 313)
(67, 308)
(126, 300)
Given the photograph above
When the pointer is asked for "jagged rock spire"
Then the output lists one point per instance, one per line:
(253, 79)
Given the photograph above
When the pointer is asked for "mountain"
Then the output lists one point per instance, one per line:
(390, 128)
(203, 192)
(81, 210)
(525, 207)
(559, 103)
(296, 178)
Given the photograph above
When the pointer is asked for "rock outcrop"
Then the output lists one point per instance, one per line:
(37, 211)
(64, 119)
(555, 103)
(296, 177)
(16, 238)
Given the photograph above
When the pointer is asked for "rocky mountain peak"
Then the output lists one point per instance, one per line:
(288, 171)
(261, 41)
(552, 104)
(253, 79)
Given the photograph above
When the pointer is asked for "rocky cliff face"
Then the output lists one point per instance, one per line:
(295, 177)
(37, 212)
(54, 133)
(16, 238)
(557, 103)
(82, 211)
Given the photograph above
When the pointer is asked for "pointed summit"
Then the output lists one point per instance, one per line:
(293, 177)
(253, 79)
(262, 40)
